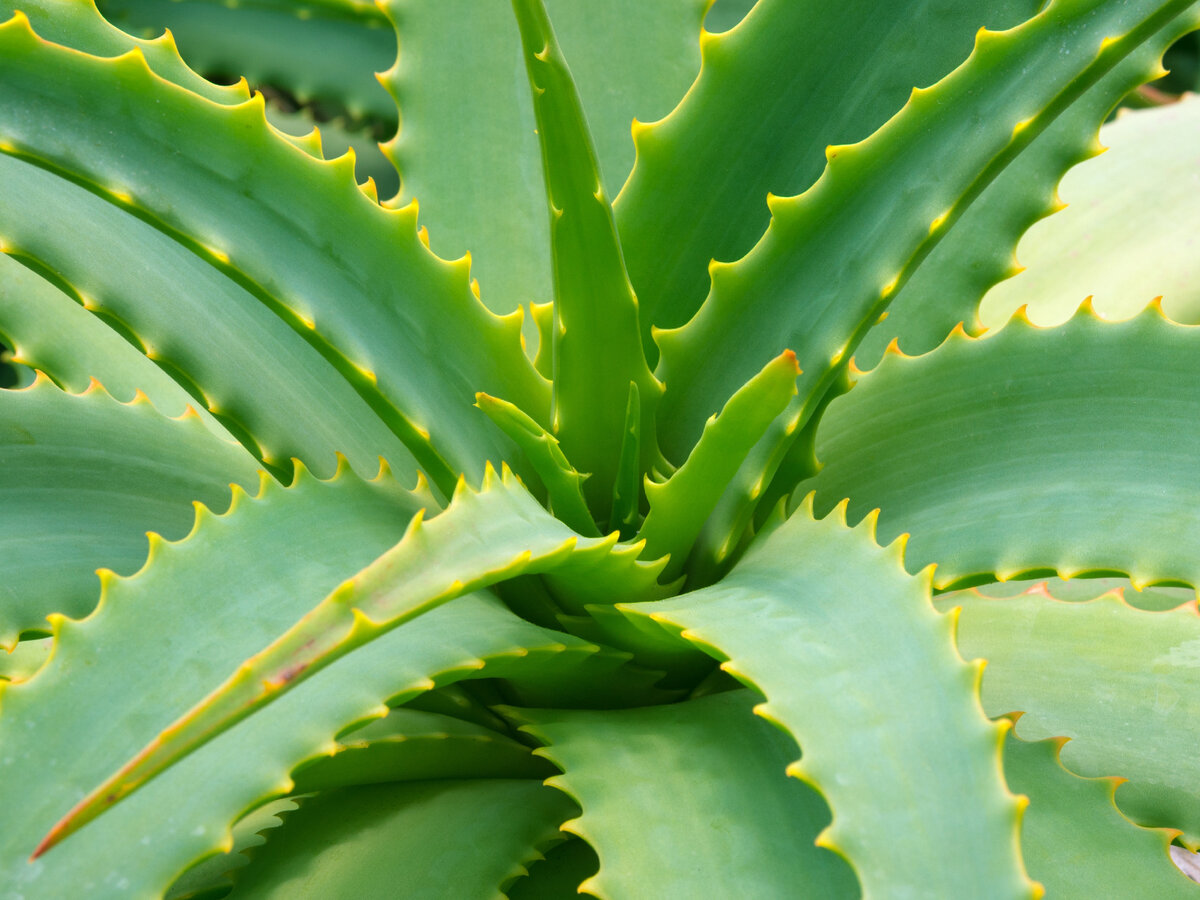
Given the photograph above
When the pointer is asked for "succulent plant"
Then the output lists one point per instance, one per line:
(629, 518)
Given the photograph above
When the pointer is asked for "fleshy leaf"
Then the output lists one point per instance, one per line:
(411, 745)
(211, 600)
(702, 833)
(541, 449)
(481, 538)
(460, 85)
(858, 667)
(597, 343)
(978, 252)
(680, 505)
(82, 478)
(1121, 683)
(834, 257)
(772, 93)
(1127, 233)
(351, 278)
(179, 313)
(1077, 461)
(437, 839)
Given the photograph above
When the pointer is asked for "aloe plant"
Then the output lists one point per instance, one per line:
(628, 517)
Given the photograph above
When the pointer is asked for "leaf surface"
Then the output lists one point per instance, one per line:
(808, 285)
(1076, 843)
(597, 343)
(1121, 683)
(858, 667)
(82, 476)
(164, 637)
(1031, 450)
(460, 84)
(1128, 233)
(982, 249)
(482, 538)
(771, 94)
(182, 314)
(296, 232)
(434, 839)
(718, 816)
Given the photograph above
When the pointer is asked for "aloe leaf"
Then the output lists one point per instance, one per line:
(1114, 679)
(337, 137)
(460, 84)
(807, 284)
(210, 600)
(211, 878)
(49, 330)
(558, 875)
(407, 840)
(979, 251)
(25, 658)
(562, 482)
(771, 94)
(597, 344)
(177, 311)
(680, 505)
(410, 745)
(316, 51)
(1125, 237)
(217, 180)
(80, 26)
(805, 617)
(626, 501)
(1077, 462)
(704, 832)
(1075, 841)
(480, 539)
(82, 477)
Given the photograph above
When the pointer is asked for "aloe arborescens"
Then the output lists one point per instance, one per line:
(519, 541)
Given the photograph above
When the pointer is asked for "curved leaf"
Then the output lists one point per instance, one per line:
(1121, 683)
(860, 670)
(1128, 232)
(718, 817)
(437, 839)
(1078, 461)
(82, 476)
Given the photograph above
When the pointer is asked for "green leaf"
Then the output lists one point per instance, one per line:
(719, 818)
(860, 670)
(480, 539)
(627, 495)
(1075, 841)
(410, 745)
(174, 630)
(212, 878)
(401, 325)
(541, 449)
(680, 505)
(81, 27)
(771, 94)
(597, 343)
(317, 51)
(559, 875)
(460, 85)
(1076, 463)
(1121, 683)
(49, 330)
(178, 312)
(809, 284)
(979, 251)
(82, 478)
(438, 839)
(1125, 236)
